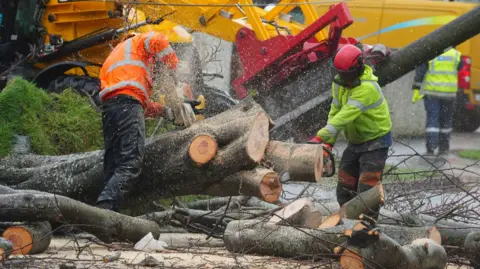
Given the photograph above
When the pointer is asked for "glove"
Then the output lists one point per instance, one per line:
(153, 109)
(318, 140)
(416, 96)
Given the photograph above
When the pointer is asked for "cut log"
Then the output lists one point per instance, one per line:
(29, 238)
(241, 135)
(386, 253)
(260, 182)
(332, 221)
(216, 203)
(304, 162)
(264, 238)
(202, 149)
(104, 224)
(362, 203)
(300, 212)
(472, 249)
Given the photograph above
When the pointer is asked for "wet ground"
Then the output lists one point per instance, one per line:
(426, 184)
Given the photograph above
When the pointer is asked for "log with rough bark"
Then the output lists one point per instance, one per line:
(422, 253)
(104, 224)
(260, 182)
(236, 201)
(261, 237)
(363, 202)
(300, 212)
(224, 145)
(29, 238)
(303, 162)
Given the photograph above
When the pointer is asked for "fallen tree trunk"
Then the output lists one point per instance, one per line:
(225, 144)
(300, 212)
(237, 201)
(29, 238)
(260, 182)
(386, 253)
(255, 236)
(303, 162)
(107, 225)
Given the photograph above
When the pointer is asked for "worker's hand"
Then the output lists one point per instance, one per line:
(315, 140)
(416, 96)
(153, 110)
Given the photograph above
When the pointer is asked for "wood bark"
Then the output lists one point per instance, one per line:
(260, 237)
(104, 224)
(241, 136)
(362, 202)
(300, 212)
(386, 253)
(29, 238)
(260, 182)
(304, 162)
(236, 201)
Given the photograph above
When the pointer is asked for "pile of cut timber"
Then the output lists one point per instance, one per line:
(226, 155)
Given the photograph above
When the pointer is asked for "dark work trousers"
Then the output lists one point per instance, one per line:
(439, 122)
(124, 138)
(359, 172)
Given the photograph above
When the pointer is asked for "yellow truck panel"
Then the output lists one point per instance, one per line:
(396, 23)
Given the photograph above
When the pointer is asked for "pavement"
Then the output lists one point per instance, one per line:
(410, 153)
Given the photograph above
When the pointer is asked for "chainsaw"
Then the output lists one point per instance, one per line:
(328, 163)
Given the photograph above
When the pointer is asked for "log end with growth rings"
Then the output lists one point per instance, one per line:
(258, 137)
(30, 238)
(435, 235)
(21, 238)
(332, 221)
(351, 260)
(202, 149)
(270, 187)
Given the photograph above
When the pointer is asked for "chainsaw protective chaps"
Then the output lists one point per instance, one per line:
(359, 172)
(124, 138)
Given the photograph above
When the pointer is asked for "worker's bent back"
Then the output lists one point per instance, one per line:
(128, 69)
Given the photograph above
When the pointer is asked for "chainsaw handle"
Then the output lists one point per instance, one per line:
(332, 159)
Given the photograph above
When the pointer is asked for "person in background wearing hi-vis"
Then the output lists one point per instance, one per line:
(439, 78)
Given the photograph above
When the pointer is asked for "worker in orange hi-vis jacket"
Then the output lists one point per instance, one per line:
(126, 89)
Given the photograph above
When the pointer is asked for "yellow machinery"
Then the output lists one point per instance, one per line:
(60, 44)
(397, 23)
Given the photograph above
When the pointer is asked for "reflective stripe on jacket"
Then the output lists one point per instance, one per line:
(361, 112)
(127, 69)
(441, 78)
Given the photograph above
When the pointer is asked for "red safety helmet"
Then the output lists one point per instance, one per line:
(348, 62)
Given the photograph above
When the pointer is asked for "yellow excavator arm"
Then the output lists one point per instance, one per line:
(224, 18)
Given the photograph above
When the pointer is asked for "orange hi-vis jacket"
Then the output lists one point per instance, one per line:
(128, 70)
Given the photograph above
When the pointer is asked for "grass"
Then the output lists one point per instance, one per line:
(56, 123)
(473, 154)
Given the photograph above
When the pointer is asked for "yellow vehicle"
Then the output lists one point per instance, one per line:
(60, 43)
(396, 23)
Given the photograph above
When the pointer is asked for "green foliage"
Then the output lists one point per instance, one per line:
(56, 123)
(473, 154)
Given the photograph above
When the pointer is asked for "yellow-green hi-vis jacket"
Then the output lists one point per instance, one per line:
(361, 112)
